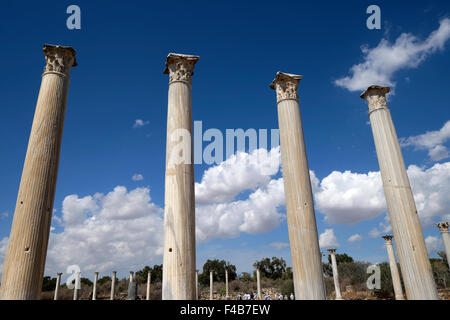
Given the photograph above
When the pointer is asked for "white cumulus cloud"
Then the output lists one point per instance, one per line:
(434, 244)
(137, 177)
(382, 62)
(432, 141)
(355, 238)
(140, 123)
(327, 239)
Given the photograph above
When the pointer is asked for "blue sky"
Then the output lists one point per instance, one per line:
(121, 50)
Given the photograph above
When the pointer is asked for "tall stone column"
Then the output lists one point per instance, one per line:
(337, 287)
(412, 252)
(113, 284)
(211, 285)
(179, 205)
(27, 247)
(149, 280)
(58, 283)
(226, 284)
(94, 289)
(303, 237)
(131, 276)
(398, 290)
(443, 228)
(258, 283)
(196, 285)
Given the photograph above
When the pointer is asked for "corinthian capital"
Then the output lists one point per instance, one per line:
(286, 86)
(375, 97)
(59, 59)
(180, 67)
(443, 226)
(388, 238)
(332, 251)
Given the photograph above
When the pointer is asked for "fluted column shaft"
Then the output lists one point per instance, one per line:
(149, 280)
(58, 283)
(226, 284)
(258, 283)
(303, 237)
(196, 285)
(113, 284)
(27, 248)
(412, 252)
(398, 290)
(94, 289)
(337, 286)
(443, 228)
(179, 206)
(211, 285)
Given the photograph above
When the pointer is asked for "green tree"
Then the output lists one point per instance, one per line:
(273, 268)
(246, 277)
(103, 280)
(156, 274)
(341, 258)
(48, 284)
(218, 268)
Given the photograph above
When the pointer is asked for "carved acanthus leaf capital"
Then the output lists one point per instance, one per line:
(443, 226)
(387, 238)
(180, 67)
(286, 85)
(332, 251)
(375, 97)
(59, 59)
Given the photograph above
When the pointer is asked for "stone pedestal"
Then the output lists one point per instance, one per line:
(412, 252)
(337, 286)
(398, 290)
(27, 247)
(303, 237)
(443, 228)
(113, 284)
(58, 284)
(179, 206)
(94, 289)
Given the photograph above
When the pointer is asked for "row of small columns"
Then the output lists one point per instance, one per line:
(25, 257)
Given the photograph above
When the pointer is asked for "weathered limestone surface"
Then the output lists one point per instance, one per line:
(443, 228)
(113, 284)
(149, 280)
(398, 290)
(179, 206)
(412, 252)
(303, 237)
(196, 285)
(258, 283)
(211, 285)
(226, 284)
(27, 248)
(337, 286)
(58, 283)
(94, 289)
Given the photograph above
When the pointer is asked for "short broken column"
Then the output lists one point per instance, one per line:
(443, 228)
(76, 286)
(226, 284)
(58, 283)
(258, 283)
(337, 287)
(411, 249)
(131, 276)
(94, 290)
(301, 219)
(179, 210)
(113, 284)
(211, 285)
(24, 262)
(149, 280)
(398, 290)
